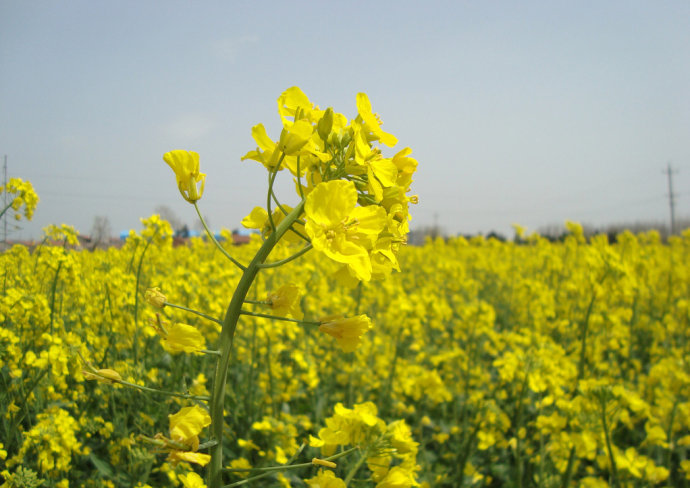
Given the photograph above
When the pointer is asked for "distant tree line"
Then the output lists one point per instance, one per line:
(558, 232)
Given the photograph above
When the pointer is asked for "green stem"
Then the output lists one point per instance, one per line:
(565, 480)
(583, 339)
(355, 468)
(299, 253)
(271, 469)
(226, 341)
(285, 212)
(271, 180)
(669, 435)
(200, 314)
(213, 239)
(609, 449)
(136, 300)
(291, 466)
(134, 386)
(275, 317)
(52, 296)
(299, 180)
(7, 208)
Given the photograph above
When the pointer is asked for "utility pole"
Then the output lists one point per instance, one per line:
(671, 197)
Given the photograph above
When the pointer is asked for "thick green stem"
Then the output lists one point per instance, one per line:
(226, 340)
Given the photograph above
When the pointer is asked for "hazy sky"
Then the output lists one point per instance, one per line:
(518, 112)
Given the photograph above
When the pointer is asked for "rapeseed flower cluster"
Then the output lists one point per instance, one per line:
(356, 207)
(20, 194)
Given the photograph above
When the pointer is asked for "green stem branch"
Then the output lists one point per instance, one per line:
(196, 312)
(217, 244)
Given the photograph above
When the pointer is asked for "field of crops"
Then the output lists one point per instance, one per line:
(513, 365)
(326, 353)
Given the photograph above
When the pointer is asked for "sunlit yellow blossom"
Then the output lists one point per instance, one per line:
(285, 301)
(401, 437)
(339, 229)
(256, 219)
(325, 479)
(292, 101)
(397, 477)
(189, 457)
(347, 331)
(372, 122)
(185, 164)
(186, 425)
(192, 480)
(177, 337)
(295, 137)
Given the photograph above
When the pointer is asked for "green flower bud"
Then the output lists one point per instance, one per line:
(325, 124)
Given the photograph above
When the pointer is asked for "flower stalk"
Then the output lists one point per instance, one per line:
(227, 334)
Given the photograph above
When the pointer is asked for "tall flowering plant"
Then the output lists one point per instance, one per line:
(352, 206)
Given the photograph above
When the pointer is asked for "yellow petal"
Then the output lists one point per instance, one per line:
(189, 457)
(256, 219)
(183, 338)
(331, 202)
(188, 423)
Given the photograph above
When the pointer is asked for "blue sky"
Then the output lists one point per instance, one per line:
(518, 112)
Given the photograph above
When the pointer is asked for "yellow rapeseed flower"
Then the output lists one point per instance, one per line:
(177, 337)
(185, 164)
(285, 301)
(341, 230)
(192, 480)
(325, 479)
(347, 331)
(372, 123)
(185, 427)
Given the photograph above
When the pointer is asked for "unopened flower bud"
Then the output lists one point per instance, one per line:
(155, 298)
(325, 124)
(103, 375)
(323, 462)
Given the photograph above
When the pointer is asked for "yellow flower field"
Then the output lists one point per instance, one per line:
(533, 364)
(326, 353)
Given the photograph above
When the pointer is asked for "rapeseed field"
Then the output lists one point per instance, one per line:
(326, 353)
